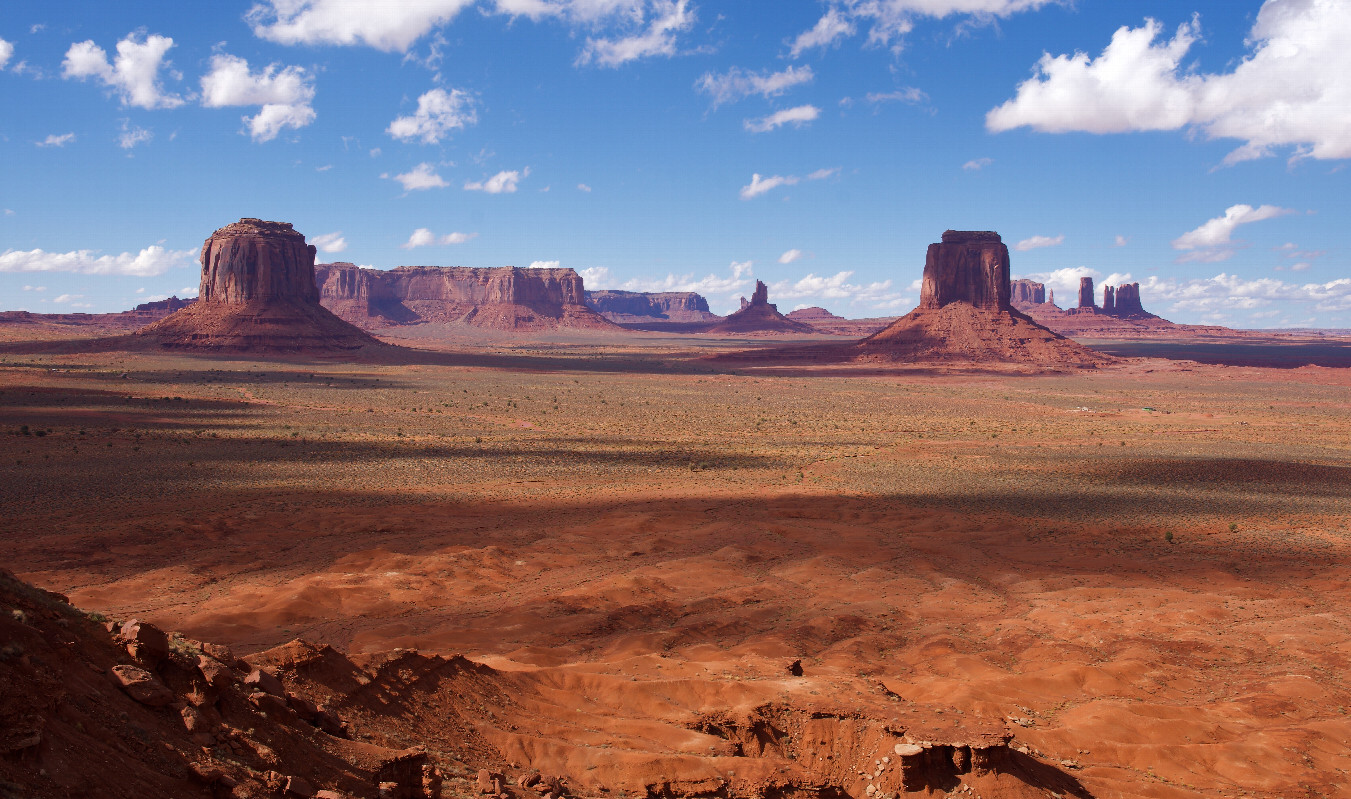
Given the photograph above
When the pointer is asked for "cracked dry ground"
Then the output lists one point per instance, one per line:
(1141, 571)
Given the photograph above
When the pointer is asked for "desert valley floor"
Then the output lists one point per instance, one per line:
(1140, 570)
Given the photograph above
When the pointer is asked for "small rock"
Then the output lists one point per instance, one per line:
(141, 685)
(266, 682)
(908, 750)
(298, 786)
(193, 721)
(268, 703)
(145, 641)
(327, 794)
(795, 668)
(216, 674)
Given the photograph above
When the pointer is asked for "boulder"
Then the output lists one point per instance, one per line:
(145, 641)
(216, 674)
(141, 685)
(298, 786)
(265, 681)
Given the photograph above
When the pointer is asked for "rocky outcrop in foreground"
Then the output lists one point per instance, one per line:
(257, 294)
(758, 316)
(501, 298)
(644, 307)
(965, 314)
(126, 710)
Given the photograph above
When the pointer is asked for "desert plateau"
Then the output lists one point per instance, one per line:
(620, 563)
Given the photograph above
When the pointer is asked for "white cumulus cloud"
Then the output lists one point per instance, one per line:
(977, 164)
(736, 83)
(422, 237)
(132, 135)
(658, 38)
(1289, 91)
(546, 265)
(6, 51)
(790, 256)
(53, 140)
(419, 178)
(284, 94)
(1037, 242)
(438, 113)
(835, 24)
(330, 242)
(888, 20)
(759, 185)
(797, 117)
(879, 295)
(584, 188)
(388, 26)
(1212, 242)
(502, 183)
(133, 74)
(154, 260)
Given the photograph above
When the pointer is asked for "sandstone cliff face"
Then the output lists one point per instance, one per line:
(1128, 301)
(505, 298)
(759, 316)
(257, 260)
(257, 293)
(965, 315)
(968, 266)
(1086, 299)
(1027, 292)
(636, 306)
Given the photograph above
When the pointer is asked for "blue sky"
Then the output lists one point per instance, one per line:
(1196, 147)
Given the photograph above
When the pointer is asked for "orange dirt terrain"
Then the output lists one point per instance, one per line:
(615, 567)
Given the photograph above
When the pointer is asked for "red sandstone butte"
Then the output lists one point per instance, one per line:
(964, 313)
(257, 293)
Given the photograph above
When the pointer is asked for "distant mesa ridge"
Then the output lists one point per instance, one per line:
(501, 298)
(257, 293)
(759, 315)
(636, 306)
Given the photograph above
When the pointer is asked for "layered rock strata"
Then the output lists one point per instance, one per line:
(501, 298)
(965, 313)
(257, 293)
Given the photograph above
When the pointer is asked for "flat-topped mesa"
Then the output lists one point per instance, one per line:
(505, 298)
(1027, 292)
(671, 306)
(257, 260)
(968, 266)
